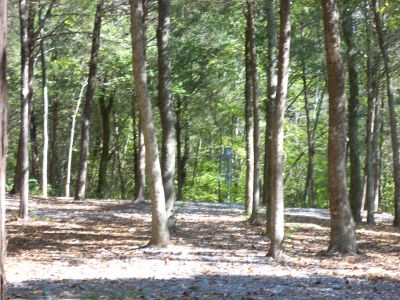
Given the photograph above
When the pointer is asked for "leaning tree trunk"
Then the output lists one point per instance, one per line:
(255, 102)
(392, 110)
(105, 111)
(269, 106)
(249, 125)
(24, 152)
(342, 237)
(3, 142)
(159, 232)
(71, 140)
(355, 192)
(84, 155)
(165, 105)
(277, 205)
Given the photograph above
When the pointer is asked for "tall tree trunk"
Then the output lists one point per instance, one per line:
(159, 233)
(25, 99)
(269, 105)
(45, 111)
(85, 133)
(255, 100)
(372, 139)
(165, 105)
(249, 124)
(277, 205)
(105, 111)
(32, 9)
(71, 139)
(309, 189)
(3, 142)
(355, 193)
(342, 237)
(392, 110)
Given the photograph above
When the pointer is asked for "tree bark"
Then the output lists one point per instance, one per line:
(277, 204)
(342, 236)
(355, 193)
(255, 100)
(159, 232)
(3, 142)
(249, 124)
(392, 110)
(25, 99)
(165, 105)
(85, 133)
(105, 111)
(269, 105)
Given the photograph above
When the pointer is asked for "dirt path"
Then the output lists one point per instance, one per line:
(89, 250)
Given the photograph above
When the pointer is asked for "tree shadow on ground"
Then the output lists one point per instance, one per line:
(210, 287)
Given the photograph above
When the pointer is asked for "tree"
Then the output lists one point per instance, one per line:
(342, 236)
(85, 133)
(392, 109)
(269, 105)
(3, 141)
(23, 152)
(277, 205)
(355, 193)
(105, 112)
(373, 121)
(249, 121)
(71, 139)
(159, 232)
(45, 106)
(255, 104)
(165, 105)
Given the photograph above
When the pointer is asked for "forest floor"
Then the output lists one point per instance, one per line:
(91, 250)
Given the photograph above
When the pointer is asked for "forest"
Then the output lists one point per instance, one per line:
(178, 149)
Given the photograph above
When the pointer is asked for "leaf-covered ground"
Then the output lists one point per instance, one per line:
(90, 250)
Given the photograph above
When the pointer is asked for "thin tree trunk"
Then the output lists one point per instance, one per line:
(309, 185)
(178, 130)
(45, 112)
(159, 232)
(85, 133)
(249, 125)
(277, 204)
(196, 161)
(269, 105)
(256, 126)
(32, 10)
(105, 111)
(165, 105)
(71, 139)
(24, 152)
(3, 142)
(342, 236)
(54, 142)
(355, 193)
(392, 110)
